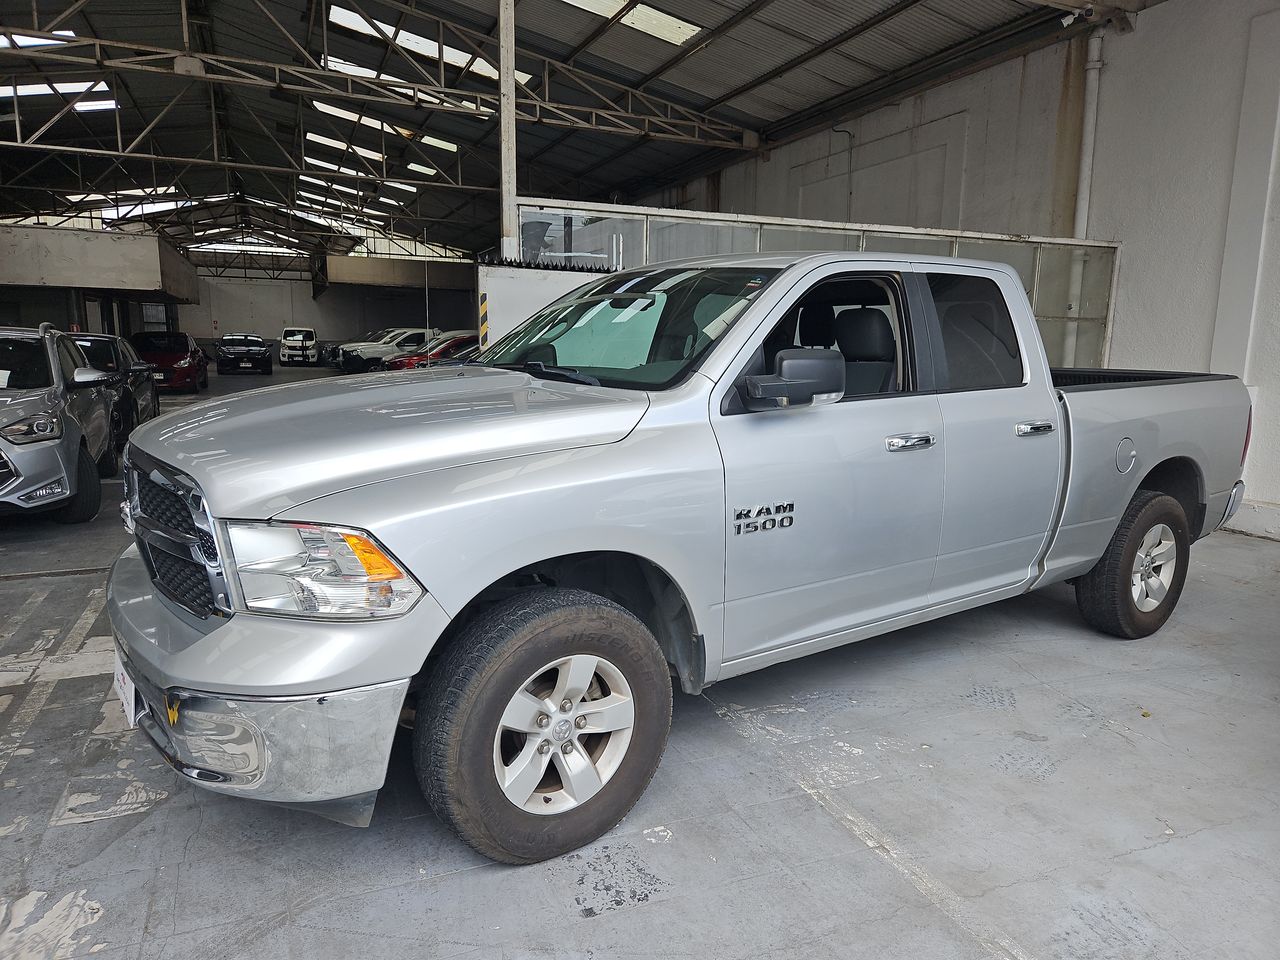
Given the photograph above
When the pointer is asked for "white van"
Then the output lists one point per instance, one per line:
(299, 345)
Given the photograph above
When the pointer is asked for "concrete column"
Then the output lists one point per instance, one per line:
(510, 246)
(1253, 191)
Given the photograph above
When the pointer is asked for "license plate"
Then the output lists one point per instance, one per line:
(126, 691)
(157, 376)
(246, 365)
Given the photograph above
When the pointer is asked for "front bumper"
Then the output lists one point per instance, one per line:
(28, 467)
(177, 377)
(326, 749)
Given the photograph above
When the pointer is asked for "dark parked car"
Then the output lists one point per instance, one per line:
(242, 353)
(179, 362)
(137, 399)
(446, 348)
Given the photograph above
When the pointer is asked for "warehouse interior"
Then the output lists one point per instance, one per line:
(1001, 783)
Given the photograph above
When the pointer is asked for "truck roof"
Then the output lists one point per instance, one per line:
(781, 260)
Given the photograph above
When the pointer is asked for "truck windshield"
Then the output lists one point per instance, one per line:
(24, 365)
(635, 330)
(306, 336)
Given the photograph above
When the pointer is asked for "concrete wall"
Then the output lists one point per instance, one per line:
(92, 259)
(342, 312)
(1186, 177)
(994, 152)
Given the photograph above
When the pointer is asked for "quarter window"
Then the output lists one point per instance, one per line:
(979, 343)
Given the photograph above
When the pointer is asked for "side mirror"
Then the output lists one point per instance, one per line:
(804, 378)
(141, 367)
(89, 377)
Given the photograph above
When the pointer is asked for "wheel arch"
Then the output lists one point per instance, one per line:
(1181, 478)
(634, 582)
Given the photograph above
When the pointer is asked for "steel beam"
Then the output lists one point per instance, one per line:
(509, 218)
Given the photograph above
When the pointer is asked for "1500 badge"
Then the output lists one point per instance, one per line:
(777, 516)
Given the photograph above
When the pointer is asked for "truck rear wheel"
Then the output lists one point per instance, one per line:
(542, 724)
(1133, 589)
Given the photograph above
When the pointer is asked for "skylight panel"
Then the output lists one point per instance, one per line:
(342, 17)
(22, 40)
(326, 165)
(644, 18)
(335, 186)
(355, 70)
(339, 145)
(437, 142)
(368, 121)
(419, 168)
(654, 22)
(404, 186)
(39, 89)
(91, 106)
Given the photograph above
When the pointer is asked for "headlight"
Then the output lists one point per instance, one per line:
(39, 426)
(184, 362)
(306, 570)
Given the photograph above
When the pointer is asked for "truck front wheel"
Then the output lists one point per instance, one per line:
(1133, 589)
(542, 724)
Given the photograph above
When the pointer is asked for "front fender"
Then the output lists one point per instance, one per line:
(658, 494)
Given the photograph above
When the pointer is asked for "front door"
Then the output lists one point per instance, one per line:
(833, 510)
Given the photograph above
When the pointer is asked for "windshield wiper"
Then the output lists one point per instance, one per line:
(545, 372)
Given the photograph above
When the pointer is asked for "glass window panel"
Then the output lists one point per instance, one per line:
(556, 236)
(787, 239)
(1020, 256)
(674, 239)
(907, 243)
(1074, 274)
(1090, 340)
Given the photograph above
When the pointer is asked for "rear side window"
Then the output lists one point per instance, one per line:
(980, 347)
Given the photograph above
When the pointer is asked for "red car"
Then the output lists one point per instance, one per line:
(442, 349)
(179, 362)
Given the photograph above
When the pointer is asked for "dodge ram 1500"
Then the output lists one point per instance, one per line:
(688, 470)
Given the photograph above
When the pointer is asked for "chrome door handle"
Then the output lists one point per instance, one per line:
(909, 441)
(1030, 428)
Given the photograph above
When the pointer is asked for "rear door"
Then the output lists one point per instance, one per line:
(1003, 428)
(833, 510)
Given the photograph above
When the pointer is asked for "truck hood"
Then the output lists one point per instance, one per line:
(262, 452)
(16, 405)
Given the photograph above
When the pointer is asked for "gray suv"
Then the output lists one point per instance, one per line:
(55, 425)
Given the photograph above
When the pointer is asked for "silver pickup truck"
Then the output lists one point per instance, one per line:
(691, 470)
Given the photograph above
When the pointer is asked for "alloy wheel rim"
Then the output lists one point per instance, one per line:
(563, 734)
(1153, 567)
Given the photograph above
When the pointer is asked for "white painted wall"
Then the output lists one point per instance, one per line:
(514, 294)
(1184, 121)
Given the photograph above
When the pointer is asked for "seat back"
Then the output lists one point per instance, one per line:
(865, 337)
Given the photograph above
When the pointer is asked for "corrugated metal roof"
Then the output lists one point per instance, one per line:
(766, 62)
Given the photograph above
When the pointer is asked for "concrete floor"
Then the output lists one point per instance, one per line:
(1003, 783)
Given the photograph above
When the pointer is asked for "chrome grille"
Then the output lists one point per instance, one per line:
(175, 536)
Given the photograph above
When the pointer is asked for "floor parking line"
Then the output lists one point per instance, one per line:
(75, 638)
(24, 612)
(37, 696)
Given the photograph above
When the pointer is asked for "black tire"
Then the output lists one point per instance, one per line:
(370, 366)
(1104, 595)
(108, 465)
(84, 505)
(204, 380)
(473, 681)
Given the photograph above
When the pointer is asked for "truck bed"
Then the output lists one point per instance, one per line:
(1074, 379)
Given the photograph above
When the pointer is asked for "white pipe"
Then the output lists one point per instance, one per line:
(1084, 186)
(510, 245)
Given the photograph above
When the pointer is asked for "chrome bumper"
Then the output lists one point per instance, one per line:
(326, 752)
(1233, 503)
